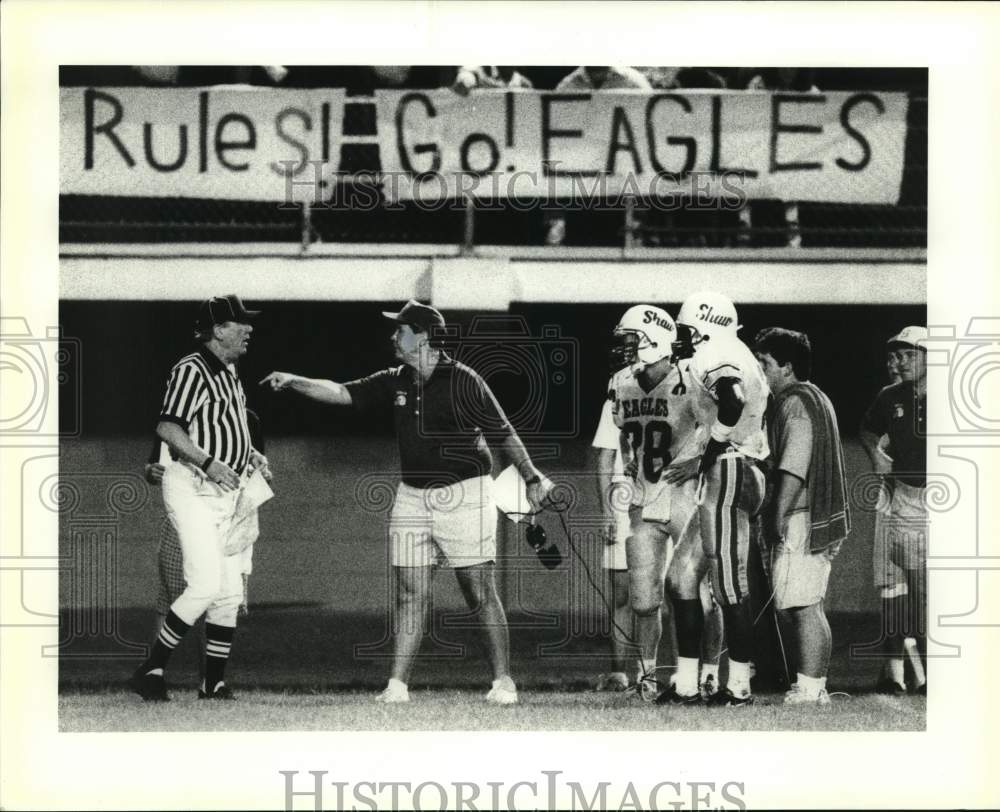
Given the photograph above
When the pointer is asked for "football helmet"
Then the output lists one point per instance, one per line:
(643, 336)
(703, 315)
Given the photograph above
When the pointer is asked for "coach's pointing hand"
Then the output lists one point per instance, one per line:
(278, 380)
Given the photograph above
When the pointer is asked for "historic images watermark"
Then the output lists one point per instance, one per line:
(548, 790)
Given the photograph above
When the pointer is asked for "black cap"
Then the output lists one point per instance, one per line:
(417, 315)
(220, 309)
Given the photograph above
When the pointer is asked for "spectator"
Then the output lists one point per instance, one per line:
(604, 77)
(899, 411)
(489, 76)
(661, 78)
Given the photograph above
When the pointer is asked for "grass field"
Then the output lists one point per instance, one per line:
(301, 668)
(431, 709)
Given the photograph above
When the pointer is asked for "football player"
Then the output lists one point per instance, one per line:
(652, 410)
(729, 398)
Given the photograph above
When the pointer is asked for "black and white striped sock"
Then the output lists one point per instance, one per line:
(171, 633)
(218, 642)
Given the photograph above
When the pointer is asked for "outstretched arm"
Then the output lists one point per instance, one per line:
(316, 389)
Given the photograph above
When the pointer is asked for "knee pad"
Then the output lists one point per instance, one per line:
(648, 607)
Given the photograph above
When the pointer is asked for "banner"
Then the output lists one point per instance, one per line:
(288, 145)
(229, 143)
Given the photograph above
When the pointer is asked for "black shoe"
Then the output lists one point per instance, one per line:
(221, 692)
(671, 697)
(921, 690)
(727, 699)
(889, 687)
(151, 687)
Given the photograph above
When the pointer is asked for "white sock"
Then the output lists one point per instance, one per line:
(910, 647)
(896, 670)
(710, 670)
(739, 678)
(810, 686)
(686, 682)
(157, 671)
(647, 667)
(395, 683)
(503, 682)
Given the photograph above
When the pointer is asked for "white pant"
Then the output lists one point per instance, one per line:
(202, 513)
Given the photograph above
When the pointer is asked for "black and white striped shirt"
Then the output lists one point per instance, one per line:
(205, 397)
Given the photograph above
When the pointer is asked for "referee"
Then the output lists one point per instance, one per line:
(204, 423)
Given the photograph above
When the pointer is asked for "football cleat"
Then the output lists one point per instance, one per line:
(727, 699)
(647, 688)
(222, 692)
(889, 687)
(503, 692)
(796, 696)
(921, 689)
(151, 687)
(616, 682)
(709, 688)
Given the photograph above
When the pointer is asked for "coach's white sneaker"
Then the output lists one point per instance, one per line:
(394, 692)
(796, 696)
(503, 692)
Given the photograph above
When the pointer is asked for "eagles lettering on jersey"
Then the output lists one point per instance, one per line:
(656, 426)
(728, 357)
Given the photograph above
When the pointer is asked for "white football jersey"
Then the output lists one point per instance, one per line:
(725, 356)
(656, 427)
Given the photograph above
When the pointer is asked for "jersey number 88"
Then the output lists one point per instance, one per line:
(654, 444)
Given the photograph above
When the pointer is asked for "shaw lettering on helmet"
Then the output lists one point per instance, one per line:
(706, 313)
(651, 316)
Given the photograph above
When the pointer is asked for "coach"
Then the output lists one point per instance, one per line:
(807, 518)
(204, 423)
(444, 512)
(899, 412)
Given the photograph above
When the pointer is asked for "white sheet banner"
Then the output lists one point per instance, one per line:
(231, 143)
(284, 145)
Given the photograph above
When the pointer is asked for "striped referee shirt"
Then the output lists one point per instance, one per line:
(206, 399)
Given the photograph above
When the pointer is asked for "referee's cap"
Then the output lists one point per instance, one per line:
(912, 337)
(417, 315)
(220, 309)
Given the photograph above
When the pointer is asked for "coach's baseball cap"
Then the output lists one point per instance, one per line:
(909, 337)
(417, 315)
(220, 309)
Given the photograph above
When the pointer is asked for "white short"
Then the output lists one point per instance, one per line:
(900, 534)
(451, 526)
(800, 577)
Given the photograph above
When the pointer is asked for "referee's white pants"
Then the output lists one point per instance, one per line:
(202, 514)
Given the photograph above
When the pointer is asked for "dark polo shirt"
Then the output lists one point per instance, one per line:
(898, 412)
(442, 425)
